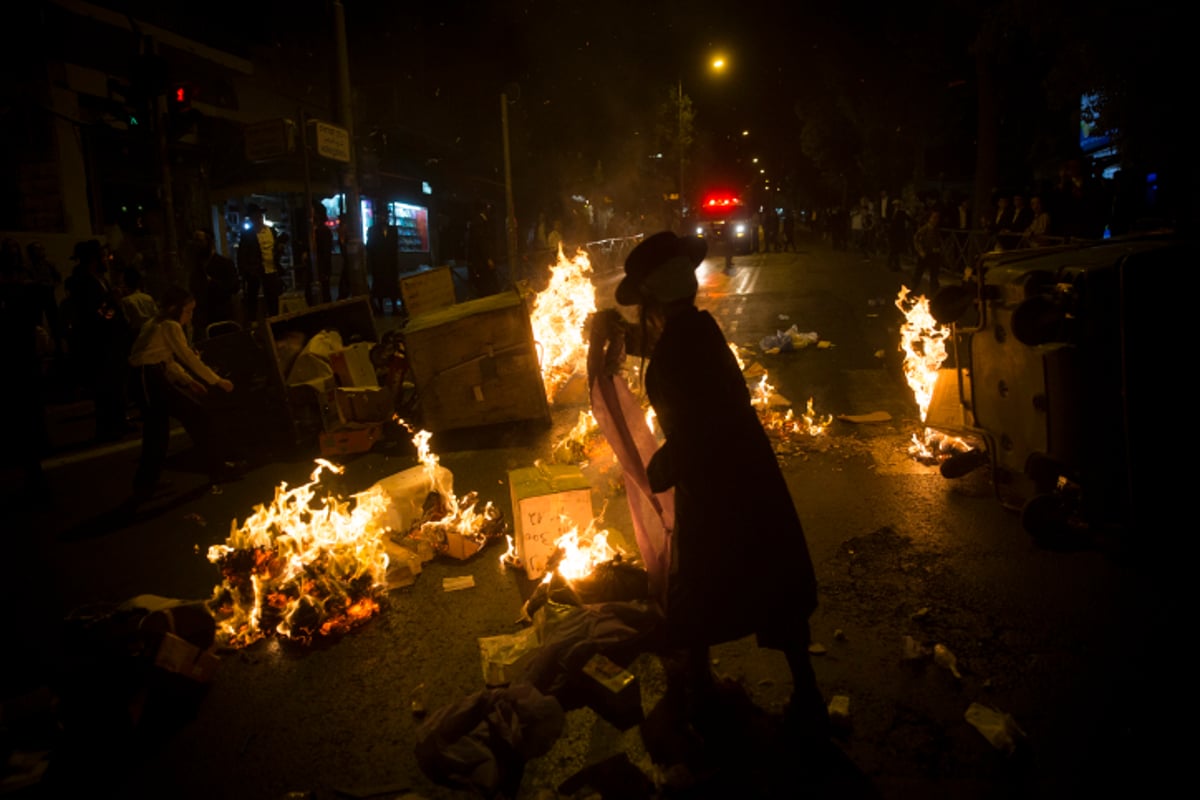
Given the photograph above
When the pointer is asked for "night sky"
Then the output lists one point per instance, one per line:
(835, 95)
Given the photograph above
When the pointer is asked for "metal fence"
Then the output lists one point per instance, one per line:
(963, 249)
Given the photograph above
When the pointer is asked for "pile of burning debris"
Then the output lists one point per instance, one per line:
(306, 566)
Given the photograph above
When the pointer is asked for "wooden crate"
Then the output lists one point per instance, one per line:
(427, 291)
(475, 364)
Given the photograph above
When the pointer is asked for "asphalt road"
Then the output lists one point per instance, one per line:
(899, 552)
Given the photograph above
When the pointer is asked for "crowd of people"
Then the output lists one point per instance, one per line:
(943, 232)
(83, 337)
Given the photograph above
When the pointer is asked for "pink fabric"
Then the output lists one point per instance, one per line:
(623, 423)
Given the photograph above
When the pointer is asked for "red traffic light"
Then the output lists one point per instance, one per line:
(181, 94)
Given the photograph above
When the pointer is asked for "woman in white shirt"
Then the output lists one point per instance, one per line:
(169, 378)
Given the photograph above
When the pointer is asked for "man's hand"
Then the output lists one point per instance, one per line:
(225, 384)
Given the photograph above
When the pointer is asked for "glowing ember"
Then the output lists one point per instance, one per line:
(559, 319)
(301, 567)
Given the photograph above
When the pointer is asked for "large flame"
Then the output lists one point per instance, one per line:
(923, 342)
(299, 568)
(559, 319)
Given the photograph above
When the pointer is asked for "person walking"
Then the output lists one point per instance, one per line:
(170, 380)
(731, 502)
(259, 261)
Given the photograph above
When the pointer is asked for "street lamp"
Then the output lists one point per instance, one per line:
(717, 64)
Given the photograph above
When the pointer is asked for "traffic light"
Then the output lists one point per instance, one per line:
(181, 97)
(181, 117)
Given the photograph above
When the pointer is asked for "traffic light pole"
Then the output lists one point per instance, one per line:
(352, 248)
(166, 189)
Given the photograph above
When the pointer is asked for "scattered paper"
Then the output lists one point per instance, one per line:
(997, 727)
(874, 416)
(944, 658)
(461, 582)
(839, 709)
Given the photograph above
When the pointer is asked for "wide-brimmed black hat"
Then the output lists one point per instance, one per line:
(664, 256)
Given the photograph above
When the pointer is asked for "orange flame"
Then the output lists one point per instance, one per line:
(559, 318)
(923, 342)
(299, 567)
(464, 516)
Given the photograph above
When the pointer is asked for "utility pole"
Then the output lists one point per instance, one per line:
(680, 144)
(170, 264)
(352, 248)
(510, 215)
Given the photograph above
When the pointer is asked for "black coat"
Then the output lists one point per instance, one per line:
(740, 563)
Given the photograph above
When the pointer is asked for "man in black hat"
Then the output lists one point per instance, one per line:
(739, 559)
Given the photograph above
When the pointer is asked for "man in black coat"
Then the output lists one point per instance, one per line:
(739, 560)
(481, 261)
(214, 282)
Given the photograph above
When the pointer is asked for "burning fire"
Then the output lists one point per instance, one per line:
(298, 569)
(559, 318)
(785, 422)
(463, 517)
(575, 555)
(923, 342)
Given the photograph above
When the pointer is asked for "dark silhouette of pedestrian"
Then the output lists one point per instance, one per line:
(260, 259)
(214, 283)
(481, 260)
(98, 339)
(383, 259)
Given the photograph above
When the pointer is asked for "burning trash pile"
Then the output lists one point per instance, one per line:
(448, 525)
(923, 342)
(299, 569)
(305, 566)
(775, 412)
(559, 320)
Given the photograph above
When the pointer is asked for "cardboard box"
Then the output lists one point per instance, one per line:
(427, 291)
(475, 364)
(180, 656)
(352, 365)
(612, 691)
(547, 501)
(461, 547)
(406, 491)
(364, 403)
(349, 440)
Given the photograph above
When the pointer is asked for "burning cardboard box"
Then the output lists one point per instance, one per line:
(548, 501)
